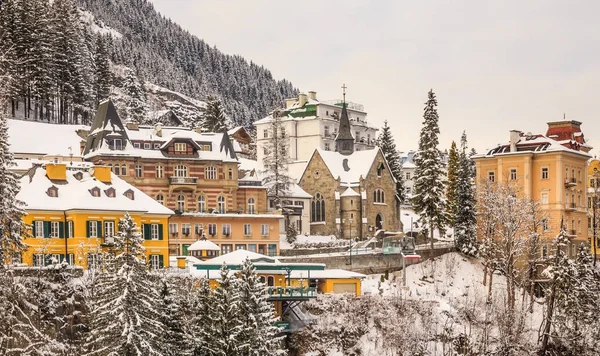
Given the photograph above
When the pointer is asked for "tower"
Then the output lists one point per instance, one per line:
(344, 139)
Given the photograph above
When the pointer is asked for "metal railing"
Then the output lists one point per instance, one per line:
(571, 181)
(290, 292)
(183, 180)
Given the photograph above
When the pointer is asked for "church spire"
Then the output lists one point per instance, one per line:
(344, 139)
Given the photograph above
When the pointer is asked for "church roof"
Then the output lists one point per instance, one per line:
(345, 131)
(349, 192)
(348, 168)
(106, 124)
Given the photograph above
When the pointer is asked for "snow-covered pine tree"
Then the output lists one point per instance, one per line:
(136, 101)
(275, 161)
(214, 119)
(225, 323)
(290, 233)
(176, 339)
(258, 335)
(429, 188)
(201, 324)
(453, 162)
(385, 141)
(125, 319)
(465, 223)
(103, 77)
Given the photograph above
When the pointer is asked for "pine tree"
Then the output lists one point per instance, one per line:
(102, 71)
(453, 162)
(201, 324)
(429, 188)
(125, 318)
(465, 223)
(258, 335)
(136, 101)
(176, 339)
(385, 141)
(275, 161)
(290, 233)
(214, 119)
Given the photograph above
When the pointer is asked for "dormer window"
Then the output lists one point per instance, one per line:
(129, 194)
(147, 146)
(78, 176)
(52, 192)
(110, 192)
(180, 147)
(136, 145)
(95, 192)
(157, 146)
(117, 144)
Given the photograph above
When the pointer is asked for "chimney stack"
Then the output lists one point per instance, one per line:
(290, 102)
(515, 135)
(312, 95)
(302, 99)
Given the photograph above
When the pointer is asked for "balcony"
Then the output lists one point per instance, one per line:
(291, 293)
(183, 183)
(572, 233)
(570, 207)
(570, 182)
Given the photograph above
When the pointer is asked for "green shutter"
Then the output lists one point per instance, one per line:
(147, 231)
(46, 229)
(67, 229)
(61, 229)
(160, 231)
(161, 261)
(87, 228)
(33, 229)
(99, 227)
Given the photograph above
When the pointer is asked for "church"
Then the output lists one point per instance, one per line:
(354, 192)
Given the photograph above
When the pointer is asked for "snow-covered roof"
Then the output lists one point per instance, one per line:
(536, 144)
(349, 192)
(238, 257)
(204, 245)
(327, 273)
(74, 194)
(34, 137)
(255, 172)
(295, 191)
(22, 165)
(349, 168)
(234, 215)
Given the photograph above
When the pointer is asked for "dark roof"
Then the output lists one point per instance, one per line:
(106, 122)
(345, 131)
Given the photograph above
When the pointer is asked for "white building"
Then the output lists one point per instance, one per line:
(310, 123)
(409, 167)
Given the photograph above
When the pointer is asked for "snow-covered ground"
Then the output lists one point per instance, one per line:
(306, 241)
(408, 216)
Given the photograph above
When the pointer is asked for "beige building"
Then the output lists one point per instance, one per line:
(550, 171)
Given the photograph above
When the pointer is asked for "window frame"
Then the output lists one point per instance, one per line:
(139, 171)
(159, 171)
(178, 145)
(112, 231)
(247, 229)
(226, 229)
(211, 173)
(264, 229)
(545, 173)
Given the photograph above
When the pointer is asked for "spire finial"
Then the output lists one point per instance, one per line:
(344, 87)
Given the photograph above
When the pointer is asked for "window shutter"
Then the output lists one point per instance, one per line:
(146, 228)
(160, 231)
(33, 229)
(46, 229)
(99, 227)
(87, 228)
(161, 261)
(61, 229)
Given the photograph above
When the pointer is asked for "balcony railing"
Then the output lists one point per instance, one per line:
(571, 182)
(183, 180)
(571, 206)
(572, 233)
(291, 292)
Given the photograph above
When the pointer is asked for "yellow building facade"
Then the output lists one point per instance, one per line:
(593, 187)
(73, 212)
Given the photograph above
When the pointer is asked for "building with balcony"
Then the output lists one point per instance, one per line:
(73, 211)
(549, 170)
(310, 123)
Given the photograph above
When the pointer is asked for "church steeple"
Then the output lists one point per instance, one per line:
(344, 139)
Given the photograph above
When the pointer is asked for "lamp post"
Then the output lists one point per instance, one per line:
(350, 221)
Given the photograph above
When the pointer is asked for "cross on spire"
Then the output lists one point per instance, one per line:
(344, 87)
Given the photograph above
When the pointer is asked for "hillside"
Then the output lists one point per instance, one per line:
(168, 56)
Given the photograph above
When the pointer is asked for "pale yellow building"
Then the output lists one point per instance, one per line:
(594, 194)
(551, 172)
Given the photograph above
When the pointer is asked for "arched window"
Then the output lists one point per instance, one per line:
(379, 196)
(221, 204)
(251, 206)
(318, 208)
(181, 171)
(181, 203)
(161, 199)
(201, 204)
(270, 281)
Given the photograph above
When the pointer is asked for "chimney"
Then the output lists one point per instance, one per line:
(158, 129)
(56, 171)
(102, 173)
(302, 99)
(312, 95)
(133, 126)
(515, 135)
(290, 102)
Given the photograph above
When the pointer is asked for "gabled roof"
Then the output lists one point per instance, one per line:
(536, 144)
(204, 245)
(348, 168)
(106, 124)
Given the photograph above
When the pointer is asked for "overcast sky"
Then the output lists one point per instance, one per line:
(494, 65)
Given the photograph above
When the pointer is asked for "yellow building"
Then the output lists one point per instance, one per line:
(73, 211)
(594, 197)
(549, 171)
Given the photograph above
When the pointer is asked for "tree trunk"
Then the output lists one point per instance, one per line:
(431, 241)
(548, 320)
(485, 271)
(489, 297)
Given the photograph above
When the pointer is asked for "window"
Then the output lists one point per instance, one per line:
(356, 135)
(181, 203)
(136, 145)
(226, 248)
(579, 175)
(118, 144)
(93, 228)
(270, 281)
(212, 229)
(180, 171)
(116, 169)
(265, 151)
(230, 173)
(199, 229)
(38, 260)
(186, 229)
(318, 208)
(221, 204)
(157, 146)
(226, 229)
(54, 229)
(327, 113)
(109, 228)
(545, 225)
(69, 229)
(545, 173)
(380, 169)
(326, 131)
(147, 146)
(544, 251)
(123, 170)
(156, 261)
(272, 250)
(264, 230)
(211, 172)
(201, 204)
(265, 133)
(513, 174)
(95, 192)
(240, 247)
(251, 206)
(161, 199)
(544, 198)
(491, 176)
(407, 175)
(138, 171)
(327, 146)
(589, 202)
(159, 171)
(39, 229)
(173, 229)
(247, 230)
(578, 225)
(180, 147)
(592, 183)
(252, 247)
(154, 232)
(379, 196)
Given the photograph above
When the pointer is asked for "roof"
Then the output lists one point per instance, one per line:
(345, 132)
(327, 274)
(254, 172)
(75, 194)
(234, 215)
(349, 192)
(204, 245)
(238, 257)
(536, 144)
(106, 124)
(34, 137)
(348, 168)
